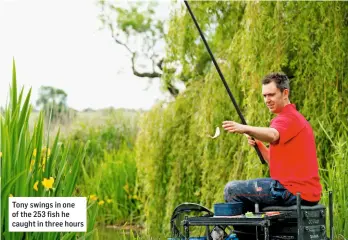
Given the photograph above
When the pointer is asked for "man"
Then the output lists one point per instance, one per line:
(291, 155)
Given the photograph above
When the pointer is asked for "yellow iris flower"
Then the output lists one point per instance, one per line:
(48, 183)
(32, 163)
(126, 188)
(135, 197)
(93, 197)
(109, 200)
(46, 152)
(36, 186)
(101, 202)
(34, 152)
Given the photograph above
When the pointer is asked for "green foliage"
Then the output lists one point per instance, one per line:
(109, 170)
(49, 94)
(111, 234)
(132, 20)
(336, 178)
(187, 49)
(113, 183)
(119, 129)
(27, 160)
(53, 102)
(177, 163)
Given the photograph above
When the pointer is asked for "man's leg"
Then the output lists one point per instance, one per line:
(264, 191)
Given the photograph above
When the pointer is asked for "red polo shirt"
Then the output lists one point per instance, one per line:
(293, 160)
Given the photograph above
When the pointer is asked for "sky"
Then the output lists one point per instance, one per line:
(59, 43)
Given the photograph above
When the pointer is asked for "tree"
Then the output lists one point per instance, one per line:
(53, 101)
(141, 32)
(186, 58)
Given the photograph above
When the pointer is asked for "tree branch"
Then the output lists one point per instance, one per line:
(172, 89)
(117, 40)
(153, 74)
(160, 63)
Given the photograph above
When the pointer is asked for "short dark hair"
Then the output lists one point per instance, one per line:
(280, 79)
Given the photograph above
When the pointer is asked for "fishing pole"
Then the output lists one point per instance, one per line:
(222, 77)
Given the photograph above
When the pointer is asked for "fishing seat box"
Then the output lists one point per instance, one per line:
(313, 222)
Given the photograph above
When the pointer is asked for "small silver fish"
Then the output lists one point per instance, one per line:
(217, 133)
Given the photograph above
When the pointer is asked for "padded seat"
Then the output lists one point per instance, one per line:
(292, 208)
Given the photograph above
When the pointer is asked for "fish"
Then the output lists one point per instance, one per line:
(217, 133)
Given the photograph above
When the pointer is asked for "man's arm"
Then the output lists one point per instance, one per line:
(263, 149)
(263, 134)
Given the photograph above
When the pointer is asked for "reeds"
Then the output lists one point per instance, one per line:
(31, 166)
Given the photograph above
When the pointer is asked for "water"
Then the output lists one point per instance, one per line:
(112, 233)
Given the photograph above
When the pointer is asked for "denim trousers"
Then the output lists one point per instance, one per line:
(264, 191)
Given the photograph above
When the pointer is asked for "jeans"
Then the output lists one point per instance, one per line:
(264, 191)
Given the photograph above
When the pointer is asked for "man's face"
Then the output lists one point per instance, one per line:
(274, 98)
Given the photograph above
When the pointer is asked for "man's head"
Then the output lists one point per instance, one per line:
(275, 91)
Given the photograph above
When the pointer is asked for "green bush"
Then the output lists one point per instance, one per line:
(109, 170)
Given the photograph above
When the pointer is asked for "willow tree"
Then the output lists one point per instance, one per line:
(176, 160)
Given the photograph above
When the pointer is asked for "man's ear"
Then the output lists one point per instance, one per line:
(286, 92)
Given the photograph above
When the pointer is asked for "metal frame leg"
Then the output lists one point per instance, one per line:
(187, 229)
(207, 229)
(266, 233)
(299, 217)
(331, 214)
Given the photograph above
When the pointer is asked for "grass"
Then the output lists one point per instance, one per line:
(336, 178)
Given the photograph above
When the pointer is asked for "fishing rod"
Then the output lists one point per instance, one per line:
(222, 77)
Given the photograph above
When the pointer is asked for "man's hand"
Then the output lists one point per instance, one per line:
(259, 133)
(252, 141)
(234, 127)
(263, 149)
(263, 134)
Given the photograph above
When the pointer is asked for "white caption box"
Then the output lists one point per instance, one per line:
(47, 214)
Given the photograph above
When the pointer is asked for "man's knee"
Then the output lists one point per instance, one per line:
(231, 189)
